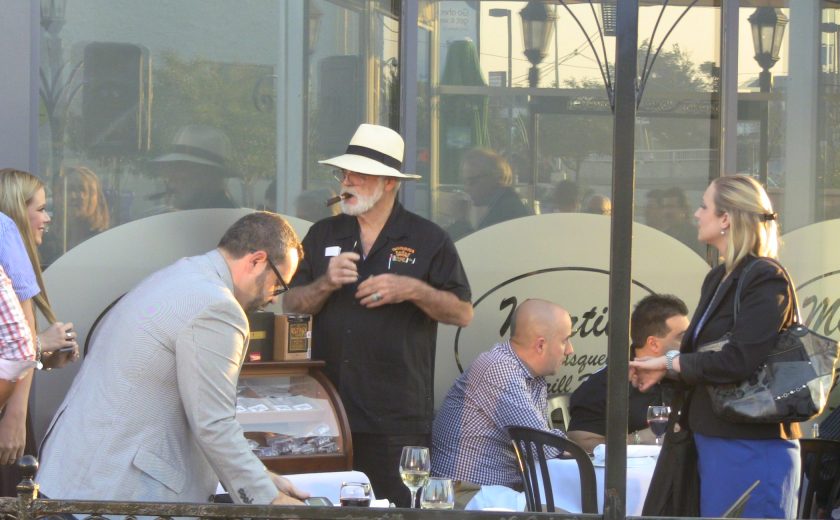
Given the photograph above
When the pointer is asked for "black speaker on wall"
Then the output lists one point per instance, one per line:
(340, 102)
(116, 98)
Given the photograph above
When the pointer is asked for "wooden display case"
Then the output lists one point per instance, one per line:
(293, 417)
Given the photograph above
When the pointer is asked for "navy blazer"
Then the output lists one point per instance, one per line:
(766, 308)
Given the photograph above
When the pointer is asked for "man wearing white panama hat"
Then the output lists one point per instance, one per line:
(196, 169)
(378, 280)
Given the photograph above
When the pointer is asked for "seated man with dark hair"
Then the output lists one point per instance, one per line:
(656, 326)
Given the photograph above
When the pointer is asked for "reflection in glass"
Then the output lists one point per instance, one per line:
(81, 211)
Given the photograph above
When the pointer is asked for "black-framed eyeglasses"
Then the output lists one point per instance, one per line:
(283, 286)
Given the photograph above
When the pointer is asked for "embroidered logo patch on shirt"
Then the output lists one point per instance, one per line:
(401, 254)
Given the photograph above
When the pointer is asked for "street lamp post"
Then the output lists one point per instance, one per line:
(768, 28)
(537, 26)
(505, 13)
(53, 18)
(54, 94)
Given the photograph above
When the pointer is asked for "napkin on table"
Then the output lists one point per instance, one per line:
(599, 454)
(499, 498)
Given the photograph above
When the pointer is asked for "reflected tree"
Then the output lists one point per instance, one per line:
(585, 128)
(219, 95)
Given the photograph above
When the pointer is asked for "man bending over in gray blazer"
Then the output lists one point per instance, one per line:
(151, 414)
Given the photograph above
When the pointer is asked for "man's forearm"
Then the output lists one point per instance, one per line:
(308, 299)
(442, 306)
(586, 440)
(18, 402)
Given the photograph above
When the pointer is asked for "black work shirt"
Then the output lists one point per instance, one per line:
(588, 405)
(381, 360)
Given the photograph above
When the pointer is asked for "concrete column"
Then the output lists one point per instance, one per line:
(19, 82)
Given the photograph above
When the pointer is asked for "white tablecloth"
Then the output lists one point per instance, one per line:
(327, 484)
(565, 484)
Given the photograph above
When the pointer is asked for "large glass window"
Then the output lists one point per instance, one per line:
(787, 70)
(159, 106)
(828, 163)
(507, 147)
(154, 107)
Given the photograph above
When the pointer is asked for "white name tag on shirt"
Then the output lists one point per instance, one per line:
(332, 251)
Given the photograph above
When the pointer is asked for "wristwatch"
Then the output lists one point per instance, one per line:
(669, 362)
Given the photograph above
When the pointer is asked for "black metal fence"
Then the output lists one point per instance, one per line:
(27, 506)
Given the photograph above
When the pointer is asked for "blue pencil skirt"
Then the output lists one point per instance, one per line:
(729, 466)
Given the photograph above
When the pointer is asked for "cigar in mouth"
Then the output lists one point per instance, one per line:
(338, 198)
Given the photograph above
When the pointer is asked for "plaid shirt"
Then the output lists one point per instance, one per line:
(17, 349)
(469, 441)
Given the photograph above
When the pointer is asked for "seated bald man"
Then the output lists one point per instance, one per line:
(503, 387)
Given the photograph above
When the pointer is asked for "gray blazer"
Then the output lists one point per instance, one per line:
(151, 414)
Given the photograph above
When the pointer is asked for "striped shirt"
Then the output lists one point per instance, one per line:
(469, 441)
(17, 349)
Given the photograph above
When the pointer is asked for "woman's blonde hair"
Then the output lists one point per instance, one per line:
(16, 191)
(97, 215)
(753, 225)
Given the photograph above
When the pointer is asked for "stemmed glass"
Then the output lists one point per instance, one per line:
(414, 469)
(354, 494)
(657, 419)
(438, 494)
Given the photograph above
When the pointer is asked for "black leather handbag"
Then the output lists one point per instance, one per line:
(675, 485)
(793, 383)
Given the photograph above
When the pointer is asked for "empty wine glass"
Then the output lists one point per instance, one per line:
(414, 469)
(657, 419)
(438, 493)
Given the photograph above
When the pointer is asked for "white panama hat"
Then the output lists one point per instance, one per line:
(201, 144)
(373, 150)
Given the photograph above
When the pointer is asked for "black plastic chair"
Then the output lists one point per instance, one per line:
(530, 447)
(820, 475)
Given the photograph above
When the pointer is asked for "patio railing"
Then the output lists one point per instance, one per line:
(27, 506)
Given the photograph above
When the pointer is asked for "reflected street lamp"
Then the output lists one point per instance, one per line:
(768, 28)
(505, 13)
(53, 15)
(537, 26)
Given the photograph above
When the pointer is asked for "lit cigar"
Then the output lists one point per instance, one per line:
(337, 198)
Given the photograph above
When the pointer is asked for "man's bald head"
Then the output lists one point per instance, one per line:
(540, 335)
(534, 316)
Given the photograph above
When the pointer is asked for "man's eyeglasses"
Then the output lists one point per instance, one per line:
(283, 286)
(342, 175)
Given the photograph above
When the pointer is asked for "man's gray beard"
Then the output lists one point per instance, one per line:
(364, 203)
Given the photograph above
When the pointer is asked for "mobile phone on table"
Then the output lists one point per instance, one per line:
(318, 501)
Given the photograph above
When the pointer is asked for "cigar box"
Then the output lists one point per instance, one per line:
(261, 343)
(292, 337)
